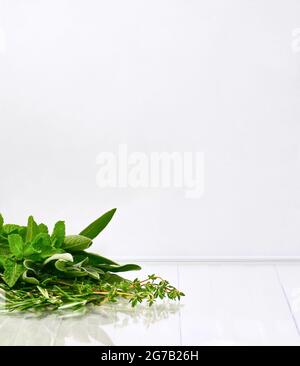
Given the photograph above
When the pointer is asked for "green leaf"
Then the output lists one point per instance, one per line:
(42, 228)
(32, 229)
(63, 256)
(125, 268)
(114, 279)
(41, 243)
(72, 305)
(40, 248)
(82, 263)
(76, 243)
(69, 270)
(10, 229)
(59, 233)
(29, 279)
(1, 223)
(30, 265)
(95, 228)
(16, 245)
(12, 272)
(43, 291)
(94, 259)
(2, 261)
(92, 272)
(4, 250)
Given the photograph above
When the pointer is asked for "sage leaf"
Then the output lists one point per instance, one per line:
(69, 271)
(94, 259)
(63, 256)
(29, 279)
(30, 265)
(16, 245)
(92, 272)
(95, 228)
(115, 269)
(76, 243)
(12, 272)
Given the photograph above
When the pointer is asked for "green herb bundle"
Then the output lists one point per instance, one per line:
(49, 271)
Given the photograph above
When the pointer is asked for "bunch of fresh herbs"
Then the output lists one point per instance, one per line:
(50, 271)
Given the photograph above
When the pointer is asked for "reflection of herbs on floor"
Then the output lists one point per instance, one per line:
(85, 325)
(41, 271)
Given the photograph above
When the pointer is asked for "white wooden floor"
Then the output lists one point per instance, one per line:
(225, 304)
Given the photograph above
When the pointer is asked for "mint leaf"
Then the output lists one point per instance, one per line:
(42, 245)
(2, 260)
(76, 243)
(95, 228)
(40, 248)
(1, 223)
(12, 272)
(32, 229)
(16, 245)
(59, 233)
(42, 228)
(10, 229)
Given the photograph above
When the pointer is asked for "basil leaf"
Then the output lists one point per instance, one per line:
(12, 272)
(59, 233)
(76, 243)
(95, 228)
(16, 245)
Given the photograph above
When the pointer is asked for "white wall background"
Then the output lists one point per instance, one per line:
(79, 77)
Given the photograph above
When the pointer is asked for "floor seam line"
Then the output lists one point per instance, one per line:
(287, 300)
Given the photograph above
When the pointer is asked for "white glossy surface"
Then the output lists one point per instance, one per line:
(225, 304)
(235, 305)
(289, 277)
